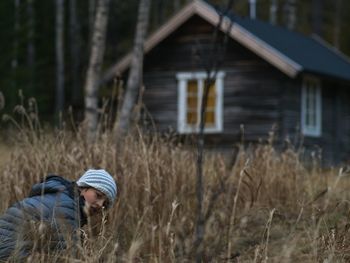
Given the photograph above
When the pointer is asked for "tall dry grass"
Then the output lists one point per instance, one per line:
(266, 207)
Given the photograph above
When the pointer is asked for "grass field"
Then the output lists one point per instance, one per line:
(5, 152)
(265, 207)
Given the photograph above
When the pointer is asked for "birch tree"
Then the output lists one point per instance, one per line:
(59, 56)
(14, 62)
(135, 75)
(92, 7)
(317, 17)
(160, 10)
(338, 9)
(30, 41)
(177, 5)
(94, 69)
(289, 13)
(273, 12)
(75, 44)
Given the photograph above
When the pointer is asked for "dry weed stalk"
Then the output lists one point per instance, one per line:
(154, 217)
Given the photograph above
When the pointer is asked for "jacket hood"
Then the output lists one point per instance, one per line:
(51, 184)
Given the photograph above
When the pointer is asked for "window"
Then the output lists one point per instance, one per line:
(311, 115)
(190, 90)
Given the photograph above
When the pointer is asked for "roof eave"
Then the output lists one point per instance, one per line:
(250, 41)
(154, 39)
(237, 32)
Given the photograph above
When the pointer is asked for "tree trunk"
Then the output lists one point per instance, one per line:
(75, 42)
(92, 8)
(14, 62)
(160, 12)
(135, 74)
(176, 5)
(212, 65)
(59, 56)
(252, 9)
(338, 9)
(2, 101)
(94, 69)
(289, 14)
(273, 12)
(317, 17)
(30, 45)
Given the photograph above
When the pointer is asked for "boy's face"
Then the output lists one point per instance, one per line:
(94, 200)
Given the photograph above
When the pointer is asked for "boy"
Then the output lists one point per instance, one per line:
(57, 206)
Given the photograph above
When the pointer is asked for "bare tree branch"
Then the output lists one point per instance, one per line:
(211, 65)
(134, 83)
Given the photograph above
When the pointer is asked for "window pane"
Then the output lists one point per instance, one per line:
(211, 88)
(211, 96)
(192, 117)
(192, 102)
(210, 118)
(191, 91)
(210, 110)
(192, 87)
(311, 107)
(307, 106)
(210, 102)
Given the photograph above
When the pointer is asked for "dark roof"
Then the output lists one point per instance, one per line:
(308, 52)
(289, 51)
(311, 54)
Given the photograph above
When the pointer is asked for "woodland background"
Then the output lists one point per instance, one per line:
(28, 46)
(264, 206)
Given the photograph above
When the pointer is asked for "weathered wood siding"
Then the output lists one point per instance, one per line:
(334, 142)
(335, 121)
(251, 86)
(257, 96)
(343, 121)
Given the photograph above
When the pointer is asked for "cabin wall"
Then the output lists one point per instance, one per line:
(258, 98)
(341, 116)
(333, 146)
(251, 86)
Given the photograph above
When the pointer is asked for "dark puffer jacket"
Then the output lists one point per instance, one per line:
(54, 206)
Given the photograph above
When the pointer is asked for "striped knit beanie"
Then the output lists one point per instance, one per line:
(100, 180)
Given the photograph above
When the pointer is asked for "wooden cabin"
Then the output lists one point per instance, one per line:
(269, 78)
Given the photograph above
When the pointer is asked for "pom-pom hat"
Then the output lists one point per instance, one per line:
(100, 180)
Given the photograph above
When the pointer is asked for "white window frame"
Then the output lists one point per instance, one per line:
(183, 78)
(307, 129)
